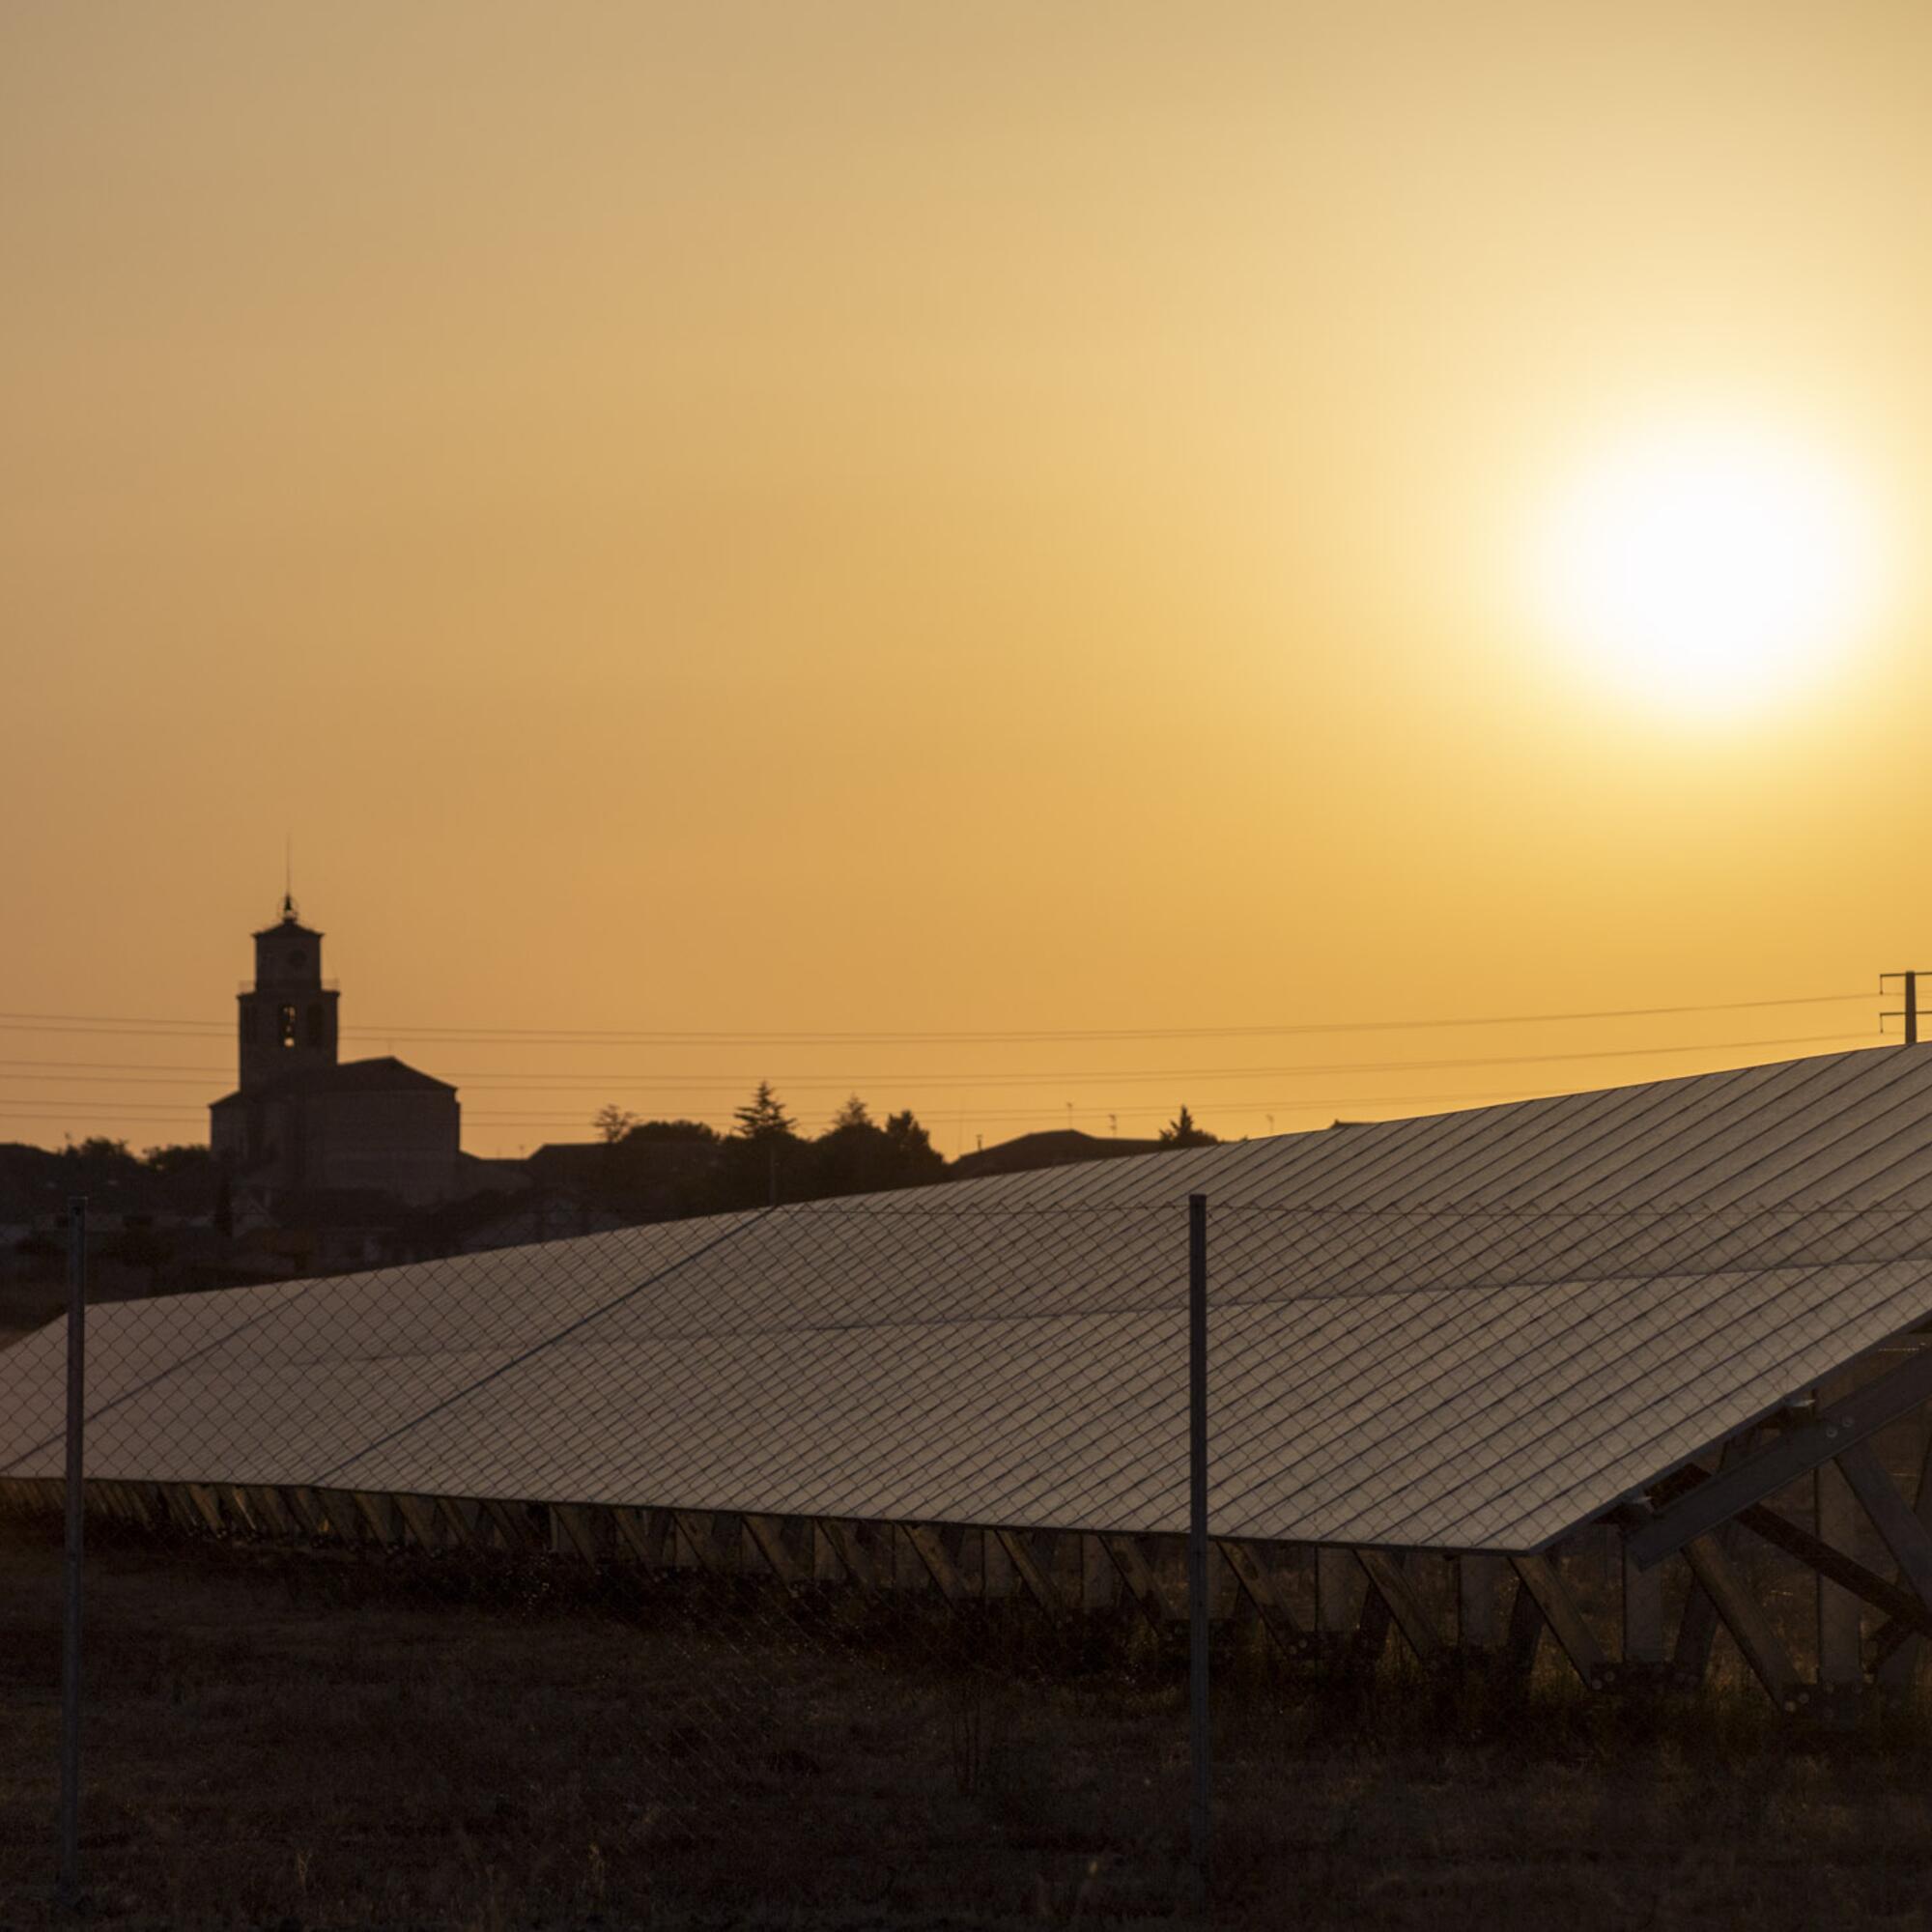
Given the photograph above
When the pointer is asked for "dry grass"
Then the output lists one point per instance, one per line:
(291, 1741)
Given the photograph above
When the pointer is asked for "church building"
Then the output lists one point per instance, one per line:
(301, 1122)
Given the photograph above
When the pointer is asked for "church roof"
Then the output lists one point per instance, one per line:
(289, 923)
(385, 1074)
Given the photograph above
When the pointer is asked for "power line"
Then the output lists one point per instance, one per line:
(96, 1072)
(156, 1114)
(830, 1082)
(137, 1026)
(1303, 1104)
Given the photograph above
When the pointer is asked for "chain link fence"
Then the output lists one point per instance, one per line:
(908, 1551)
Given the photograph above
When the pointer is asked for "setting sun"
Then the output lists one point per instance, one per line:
(1711, 567)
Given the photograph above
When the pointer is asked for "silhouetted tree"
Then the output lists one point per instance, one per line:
(914, 1155)
(673, 1130)
(855, 1156)
(613, 1122)
(1183, 1132)
(185, 1158)
(761, 1118)
(761, 1162)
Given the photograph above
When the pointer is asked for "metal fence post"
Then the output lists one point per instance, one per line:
(1197, 1527)
(76, 1405)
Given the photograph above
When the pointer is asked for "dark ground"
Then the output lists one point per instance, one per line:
(297, 1741)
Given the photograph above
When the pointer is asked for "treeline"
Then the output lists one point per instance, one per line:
(662, 1170)
(160, 1180)
(685, 1167)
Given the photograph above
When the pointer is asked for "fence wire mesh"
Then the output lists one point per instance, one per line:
(838, 1552)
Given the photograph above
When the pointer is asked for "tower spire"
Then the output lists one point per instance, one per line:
(287, 875)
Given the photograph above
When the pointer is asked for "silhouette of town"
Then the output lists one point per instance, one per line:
(316, 1164)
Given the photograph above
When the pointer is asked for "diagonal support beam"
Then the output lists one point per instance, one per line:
(1744, 1617)
(1391, 1584)
(1252, 1573)
(1019, 1546)
(1370, 1636)
(643, 1532)
(1900, 1530)
(1785, 1458)
(419, 1519)
(1523, 1636)
(1698, 1623)
(580, 1530)
(930, 1550)
(1143, 1585)
(310, 1511)
(708, 1551)
(1544, 1588)
(1836, 1567)
(208, 1505)
(767, 1534)
(512, 1522)
(844, 1538)
(1895, 1656)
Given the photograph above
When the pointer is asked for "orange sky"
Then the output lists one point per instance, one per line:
(915, 520)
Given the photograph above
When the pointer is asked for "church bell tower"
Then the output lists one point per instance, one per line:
(287, 1021)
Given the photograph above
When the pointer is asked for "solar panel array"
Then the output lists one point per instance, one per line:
(1474, 1331)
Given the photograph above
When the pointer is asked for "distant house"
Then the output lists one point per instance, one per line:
(1062, 1147)
(302, 1124)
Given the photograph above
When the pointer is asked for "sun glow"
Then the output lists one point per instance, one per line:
(1711, 568)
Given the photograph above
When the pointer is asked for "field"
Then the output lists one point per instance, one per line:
(292, 1740)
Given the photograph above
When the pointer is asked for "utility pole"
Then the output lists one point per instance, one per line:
(76, 1471)
(1198, 1813)
(1909, 1014)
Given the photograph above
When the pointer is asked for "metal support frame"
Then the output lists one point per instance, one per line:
(1840, 1652)
(1360, 1592)
(844, 1538)
(1642, 1612)
(643, 1532)
(1744, 1617)
(1141, 1581)
(1544, 1588)
(1479, 1601)
(1523, 1637)
(1831, 1563)
(1897, 1655)
(419, 1519)
(578, 1528)
(767, 1536)
(1390, 1582)
(512, 1524)
(931, 1550)
(1795, 1453)
(1250, 1566)
(1899, 1529)
(1339, 1588)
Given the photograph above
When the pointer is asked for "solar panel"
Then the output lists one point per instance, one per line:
(1474, 1331)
